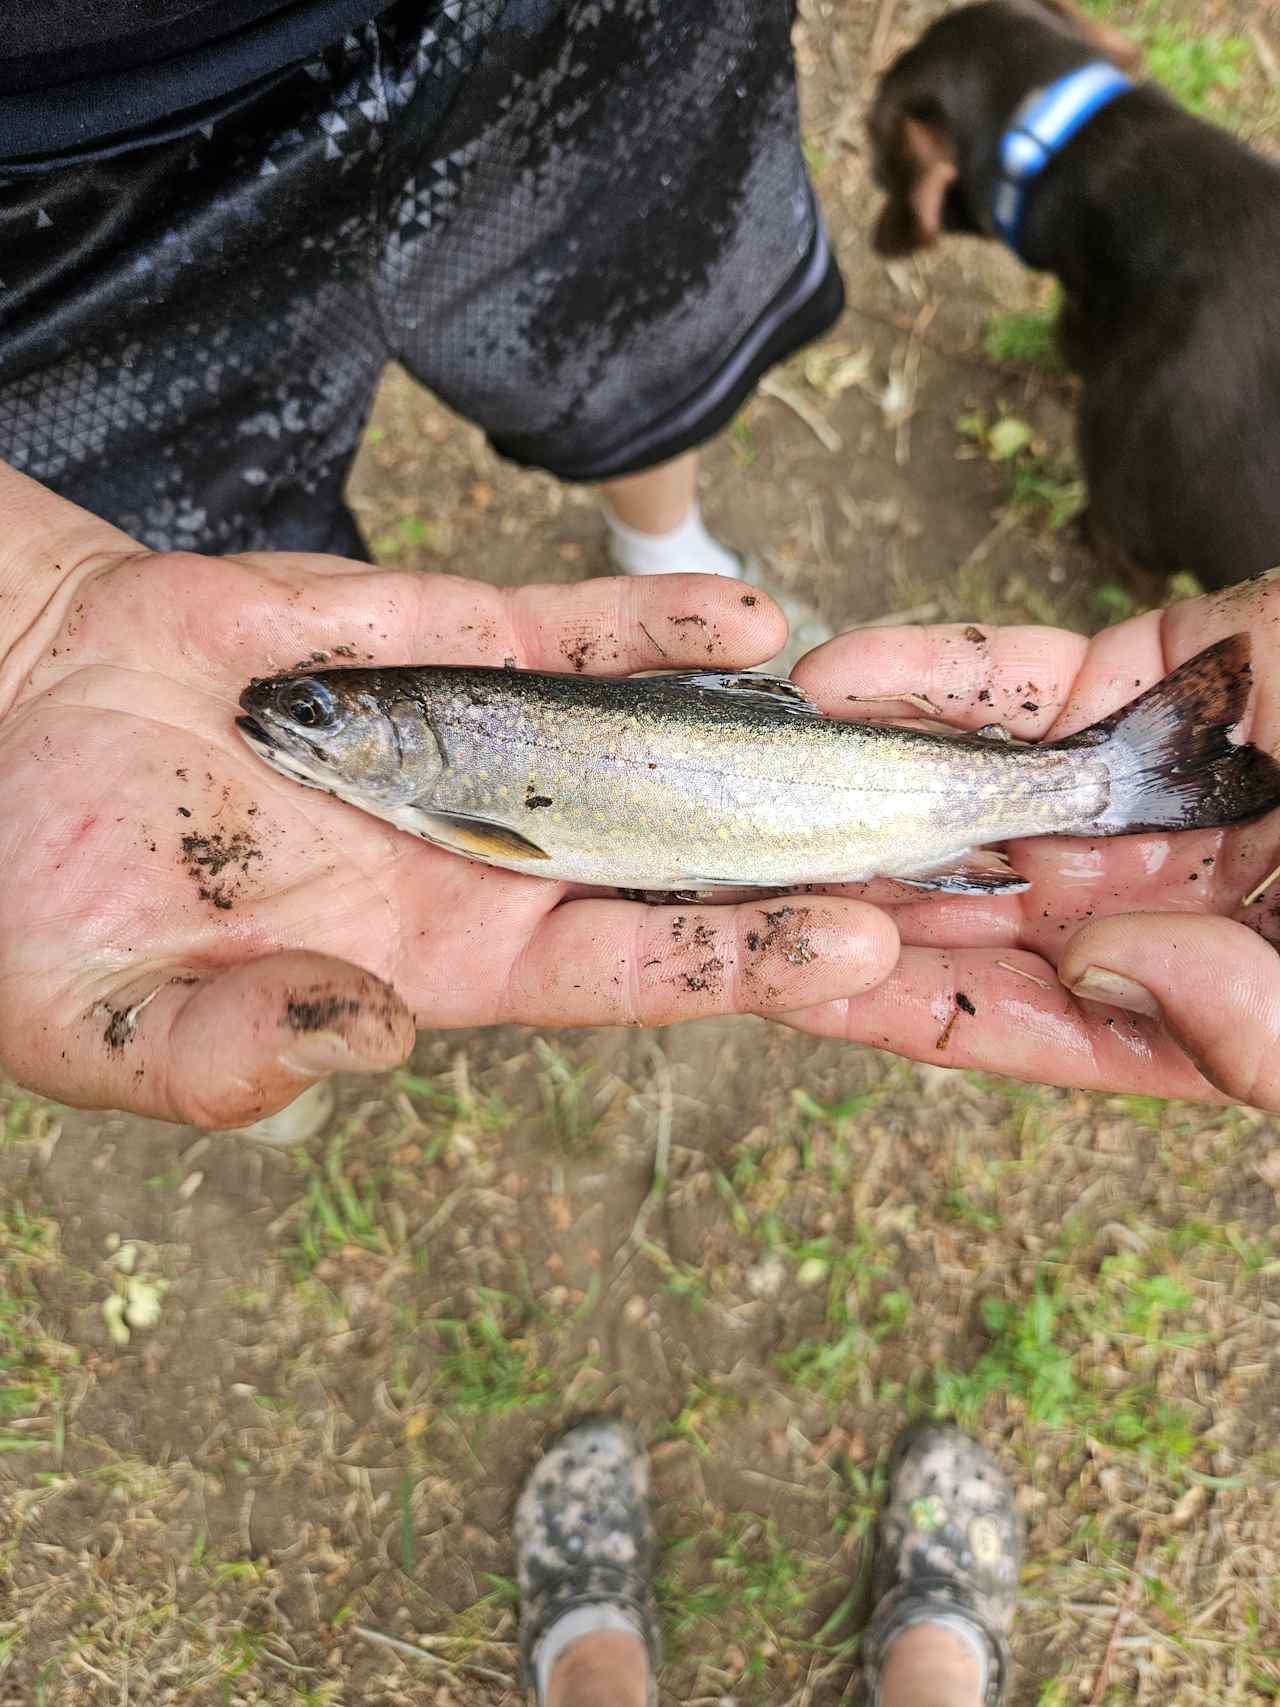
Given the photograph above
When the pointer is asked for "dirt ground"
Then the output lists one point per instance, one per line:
(310, 1453)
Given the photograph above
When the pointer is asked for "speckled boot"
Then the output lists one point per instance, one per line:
(948, 1552)
(585, 1548)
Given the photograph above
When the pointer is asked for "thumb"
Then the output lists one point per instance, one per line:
(1214, 982)
(226, 1049)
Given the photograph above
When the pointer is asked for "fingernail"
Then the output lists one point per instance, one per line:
(325, 1052)
(1096, 984)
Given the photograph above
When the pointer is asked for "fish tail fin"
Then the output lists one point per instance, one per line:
(1172, 761)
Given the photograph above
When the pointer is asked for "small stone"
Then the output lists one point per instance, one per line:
(1188, 1507)
(113, 1316)
(765, 1278)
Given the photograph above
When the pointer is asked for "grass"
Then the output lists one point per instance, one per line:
(852, 1275)
(861, 1312)
(742, 441)
(25, 1119)
(682, 1280)
(1126, 1322)
(342, 1210)
(1027, 338)
(1199, 68)
(816, 157)
(1048, 489)
(704, 1405)
(448, 1109)
(1081, 1360)
(489, 1363)
(409, 534)
(1042, 485)
(740, 1587)
(570, 1113)
(32, 1362)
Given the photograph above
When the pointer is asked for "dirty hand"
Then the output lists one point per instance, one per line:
(1132, 965)
(186, 934)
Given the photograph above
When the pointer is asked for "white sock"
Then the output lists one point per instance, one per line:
(688, 549)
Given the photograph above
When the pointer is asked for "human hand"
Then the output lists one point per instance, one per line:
(1130, 964)
(187, 935)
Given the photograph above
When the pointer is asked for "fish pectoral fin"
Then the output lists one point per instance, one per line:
(776, 691)
(480, 836)
(971, 874)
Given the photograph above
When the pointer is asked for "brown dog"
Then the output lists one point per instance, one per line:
(1165, 234)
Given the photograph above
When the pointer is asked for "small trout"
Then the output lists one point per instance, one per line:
(691, 781)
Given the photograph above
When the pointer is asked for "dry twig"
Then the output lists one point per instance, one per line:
(661, 1149)
(1257, 893)
(380, 1639)
(817, 423)
(1123, 1615)
(1020, 972)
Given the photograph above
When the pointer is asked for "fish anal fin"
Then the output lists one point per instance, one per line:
(985, 873)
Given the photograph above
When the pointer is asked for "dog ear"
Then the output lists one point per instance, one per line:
(1112, 44)
(916, 165)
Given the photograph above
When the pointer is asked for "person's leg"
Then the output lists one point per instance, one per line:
(655, 524)
(946, 1575)
(601, 309)
(656, 528)
(608, 1669)
(658, 500)
(931, 1666)
(584, 1560)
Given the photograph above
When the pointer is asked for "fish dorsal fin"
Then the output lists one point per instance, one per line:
(778, 692)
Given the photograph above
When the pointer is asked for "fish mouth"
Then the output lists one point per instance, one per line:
(290, 764)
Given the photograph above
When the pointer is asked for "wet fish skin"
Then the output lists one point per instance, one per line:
(701, 780)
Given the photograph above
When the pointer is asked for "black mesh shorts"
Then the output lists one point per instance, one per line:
(586, 225)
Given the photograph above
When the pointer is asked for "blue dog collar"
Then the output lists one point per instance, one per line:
(1044, 123)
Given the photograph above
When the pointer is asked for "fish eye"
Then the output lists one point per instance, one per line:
(309, 704)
